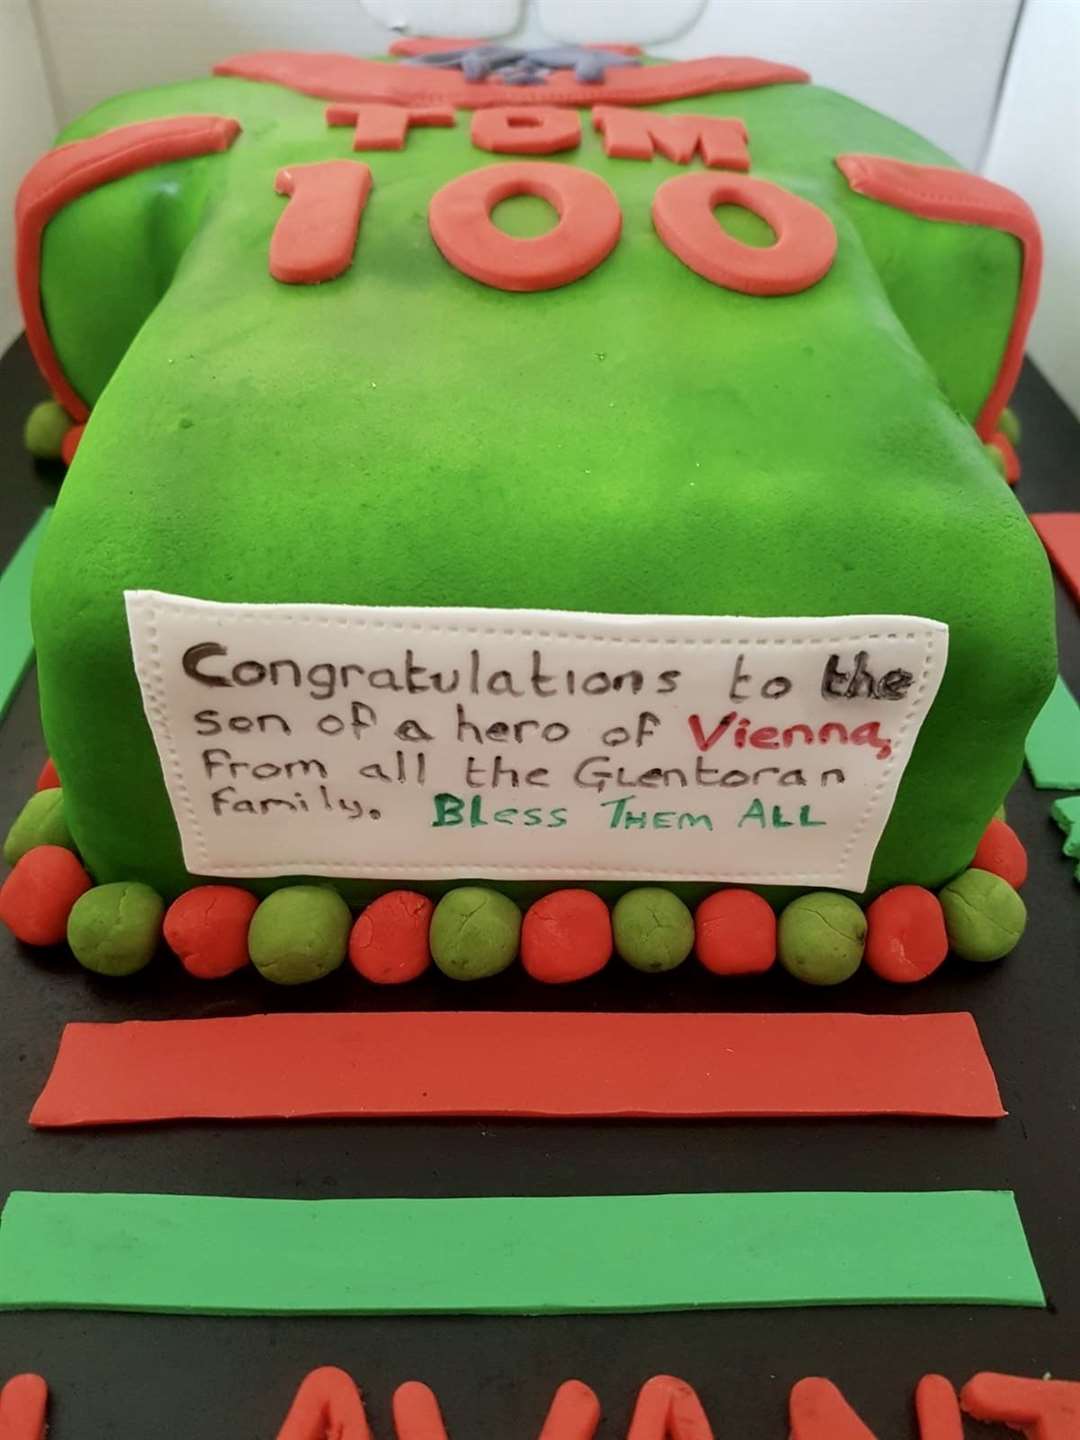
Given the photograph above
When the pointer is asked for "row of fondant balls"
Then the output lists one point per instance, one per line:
(303, 932)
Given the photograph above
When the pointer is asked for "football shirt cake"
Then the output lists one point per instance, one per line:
(537, 469)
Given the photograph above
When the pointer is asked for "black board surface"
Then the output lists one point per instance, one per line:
(192, 1378)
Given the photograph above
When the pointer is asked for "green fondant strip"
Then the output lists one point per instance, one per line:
(210, 1255)
(1053, 743)
(16, 641)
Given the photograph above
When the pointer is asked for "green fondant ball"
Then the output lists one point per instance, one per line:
(474, 932)
(299, 934)
(45, 428)
(114, 929)
(820, 938)
(984, 916)
(1009, 425)
(40, 822)
(653, 929)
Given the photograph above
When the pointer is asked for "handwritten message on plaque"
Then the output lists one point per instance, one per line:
(403, 743)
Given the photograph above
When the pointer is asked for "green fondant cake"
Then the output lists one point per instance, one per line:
(642, 441)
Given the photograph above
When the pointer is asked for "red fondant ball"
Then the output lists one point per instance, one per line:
(389, 942)
(905, 936)
(37, 897)
(207, 929)
(1001, 851)
(566, 936)
(735, 933)
(47, 778)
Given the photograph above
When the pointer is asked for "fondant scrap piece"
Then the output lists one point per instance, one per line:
(938, 1409)
(507, 1063)
(818, 1411)
(533, 1255)
(1039, 1409)
(1060, 533)
(1052, 748)
(327, 1407)
(23, 1403)
(16, 641)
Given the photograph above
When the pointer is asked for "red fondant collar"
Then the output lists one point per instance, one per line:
(345, 77)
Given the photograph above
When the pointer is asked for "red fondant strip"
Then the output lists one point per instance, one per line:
(1061, 535)
(1004, 448)
(936, 193)
(344, 77)
(442, 1063)
(1039, 1409)
(72, 170)
(327, 1407)
(23, 1402)
(316, 235)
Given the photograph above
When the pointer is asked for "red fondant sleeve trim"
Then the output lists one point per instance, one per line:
(936, 193)
(345, 77)
(72, 170)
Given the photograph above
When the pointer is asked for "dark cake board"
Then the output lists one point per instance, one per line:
(193, 1378)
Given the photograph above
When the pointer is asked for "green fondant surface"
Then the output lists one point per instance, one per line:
(641, 441)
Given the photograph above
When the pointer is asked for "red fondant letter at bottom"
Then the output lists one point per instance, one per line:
(818, 1411)
(23, 1402)
(1039, 1409)
(316, 234)
(574, 1413)
(669, 1409)
(327, 1407)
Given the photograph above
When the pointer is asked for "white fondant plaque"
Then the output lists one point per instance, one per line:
(508, 744)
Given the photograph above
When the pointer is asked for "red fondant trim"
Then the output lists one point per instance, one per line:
(936, 193)
(638, 135)
(526, 130)
(385, 127)
(1039, 1409)
(518, 1063)
(47, 778)
(574, 1413)
(345, 77)
(938, 1410)
(801, 255)
(316, 235)
(587, 231)
(72, 170)
(327, 1405)
(1060, 534)
(1002, 444)
(23, 1403)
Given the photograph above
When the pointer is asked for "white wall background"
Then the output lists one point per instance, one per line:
(940, 66)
